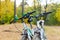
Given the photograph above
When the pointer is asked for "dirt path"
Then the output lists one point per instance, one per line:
(9, 32)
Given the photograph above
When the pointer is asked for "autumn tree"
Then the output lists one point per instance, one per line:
(7, 11)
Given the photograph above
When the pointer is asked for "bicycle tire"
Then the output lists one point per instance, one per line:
(36, 37)
(24, 37)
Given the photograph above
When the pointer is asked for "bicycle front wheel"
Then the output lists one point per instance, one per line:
(24, 37)
(36, 37)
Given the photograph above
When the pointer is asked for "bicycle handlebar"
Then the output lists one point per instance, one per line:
(47, 13)
(27, 15)
(43, 14)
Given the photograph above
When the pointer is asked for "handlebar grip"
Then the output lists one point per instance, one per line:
(31, 12)
(12, 21)
(47, 13)
(19, 18)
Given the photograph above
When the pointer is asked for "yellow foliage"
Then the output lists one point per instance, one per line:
(58, 14)
(6, 7)
(6, 10)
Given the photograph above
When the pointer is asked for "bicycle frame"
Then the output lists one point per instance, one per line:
(40, 29)
(27, 31)
(40, 26)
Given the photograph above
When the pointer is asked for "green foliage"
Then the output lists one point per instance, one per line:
(54, 18)
(7, 12)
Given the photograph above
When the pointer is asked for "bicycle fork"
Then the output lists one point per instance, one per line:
(40, 25)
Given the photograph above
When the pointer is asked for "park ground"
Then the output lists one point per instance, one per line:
(9, 32)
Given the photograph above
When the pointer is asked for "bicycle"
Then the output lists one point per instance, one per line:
(27, 32)
(39, 32)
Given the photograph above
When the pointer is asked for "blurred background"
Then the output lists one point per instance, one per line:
(7, 10)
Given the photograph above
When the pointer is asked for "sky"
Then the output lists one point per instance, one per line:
(30, 2)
